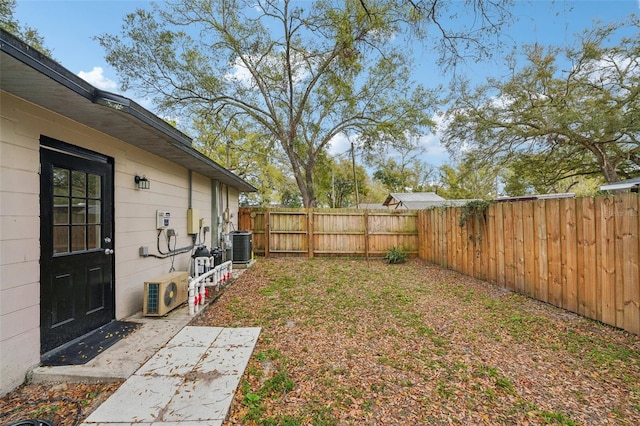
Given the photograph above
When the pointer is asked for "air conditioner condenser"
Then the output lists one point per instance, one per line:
(165, 293)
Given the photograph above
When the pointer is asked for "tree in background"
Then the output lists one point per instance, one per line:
(302, 75)
(414, 176)
(541, 174)
(250, 155)
(336, 185)
(466, 181)
(27, 34)
(567, 113)
(409, 173)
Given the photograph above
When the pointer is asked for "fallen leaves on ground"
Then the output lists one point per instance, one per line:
(363, 342)
(356, 342)
(63, 404)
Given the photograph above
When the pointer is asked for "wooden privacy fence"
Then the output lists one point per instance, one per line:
(580, 254)
(330, 232)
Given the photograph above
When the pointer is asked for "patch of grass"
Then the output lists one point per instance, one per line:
(47, 410)
(273, 388)
(367, 405)
(552, 417)
(276, 386)
(285, 420)
(323, 416)
(505, 384)
(443, 391)
(598, 352)
(253, 402)
(239, 309)
(269, 354)
(279, 384)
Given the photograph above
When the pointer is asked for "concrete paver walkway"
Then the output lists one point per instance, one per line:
(190, 381)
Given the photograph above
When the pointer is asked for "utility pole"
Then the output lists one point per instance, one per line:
(355, 178)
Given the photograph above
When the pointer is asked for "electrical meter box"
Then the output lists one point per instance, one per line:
(163, 219)
(193, 221)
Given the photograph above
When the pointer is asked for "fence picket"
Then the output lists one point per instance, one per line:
(528, 235)
(518, 241)
(569, 246)
(554, 255)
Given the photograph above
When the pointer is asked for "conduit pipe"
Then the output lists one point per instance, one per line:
(215, 277)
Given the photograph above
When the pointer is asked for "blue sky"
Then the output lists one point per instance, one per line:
(68, 28)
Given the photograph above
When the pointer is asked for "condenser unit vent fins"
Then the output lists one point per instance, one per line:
(152, 298)
(241, 245)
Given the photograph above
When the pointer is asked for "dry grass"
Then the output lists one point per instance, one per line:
(355, 342)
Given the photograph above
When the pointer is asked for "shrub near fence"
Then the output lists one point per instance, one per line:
(580, 254)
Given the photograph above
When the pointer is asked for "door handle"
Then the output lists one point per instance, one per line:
(108, 251)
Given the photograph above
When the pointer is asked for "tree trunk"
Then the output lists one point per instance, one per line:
(305, 185)
(607, 167)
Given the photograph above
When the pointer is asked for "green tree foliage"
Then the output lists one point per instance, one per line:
(466, 181)
(566, 113)
(409, 173)
(538, 174)
(251, 156)
(9, 23)
(302, 73)
(415, 176)
(335, 183)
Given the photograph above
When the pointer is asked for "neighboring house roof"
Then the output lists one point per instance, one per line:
(625, 184)
(30, 75)
(413, 200)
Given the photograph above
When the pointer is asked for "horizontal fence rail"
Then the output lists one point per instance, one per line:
(580, 254)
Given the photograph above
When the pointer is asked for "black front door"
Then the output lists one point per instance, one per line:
(76, 243)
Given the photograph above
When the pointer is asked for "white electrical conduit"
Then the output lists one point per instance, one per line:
(214, 277)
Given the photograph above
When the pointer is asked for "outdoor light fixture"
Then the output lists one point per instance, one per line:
(142, 182)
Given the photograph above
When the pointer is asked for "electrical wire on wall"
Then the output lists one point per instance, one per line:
(171, 252)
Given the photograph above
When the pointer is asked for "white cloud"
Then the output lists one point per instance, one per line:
(264, 65)
(240, 73)
(339, 145)
(434, 153)
(97, 78)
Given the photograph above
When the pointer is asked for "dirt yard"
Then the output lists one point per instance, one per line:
(356, 342)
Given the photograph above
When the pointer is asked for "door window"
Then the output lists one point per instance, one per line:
(77, 211)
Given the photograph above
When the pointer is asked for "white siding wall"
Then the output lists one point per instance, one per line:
(19, 247)
(21, 126)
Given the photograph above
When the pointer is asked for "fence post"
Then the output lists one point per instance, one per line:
(310, 220)
(267, 232)
(366, 235)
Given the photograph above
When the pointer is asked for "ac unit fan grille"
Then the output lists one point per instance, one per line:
(170, 294)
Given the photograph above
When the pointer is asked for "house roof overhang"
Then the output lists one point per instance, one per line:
(622, 185)
(32, 76)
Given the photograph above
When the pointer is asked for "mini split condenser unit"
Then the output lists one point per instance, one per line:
(165, 293)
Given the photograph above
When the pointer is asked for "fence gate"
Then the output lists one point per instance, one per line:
(288, 232)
